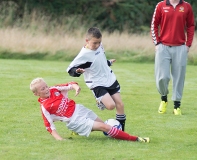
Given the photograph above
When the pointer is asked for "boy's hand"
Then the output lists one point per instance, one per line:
(77, 89)
(112, 60)
(80, 70)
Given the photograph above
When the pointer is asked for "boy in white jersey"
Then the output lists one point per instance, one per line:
(98, 76)
(56, 106)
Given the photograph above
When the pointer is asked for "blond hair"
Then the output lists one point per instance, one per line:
(34, 83)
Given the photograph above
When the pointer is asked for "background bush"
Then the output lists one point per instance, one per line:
(111, 15)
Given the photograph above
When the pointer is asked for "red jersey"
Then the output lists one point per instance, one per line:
(171, 26)
(57, 107)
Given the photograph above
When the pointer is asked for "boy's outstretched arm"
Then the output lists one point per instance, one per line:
(75, 71)
(56, 135)
(111, 61)
(76, 88)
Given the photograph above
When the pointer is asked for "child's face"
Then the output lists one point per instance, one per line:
(42, 90)
(93, 43)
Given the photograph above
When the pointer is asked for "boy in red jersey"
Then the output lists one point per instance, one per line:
(56, 106)
(172, 30)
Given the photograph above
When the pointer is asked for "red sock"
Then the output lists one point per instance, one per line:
(118, 134)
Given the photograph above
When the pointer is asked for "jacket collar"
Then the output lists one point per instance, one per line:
(168, 2)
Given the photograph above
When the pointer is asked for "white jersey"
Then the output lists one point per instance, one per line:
(96, 66)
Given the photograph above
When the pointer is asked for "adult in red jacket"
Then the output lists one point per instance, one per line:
(172, 31)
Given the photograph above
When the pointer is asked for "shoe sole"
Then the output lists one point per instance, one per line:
(177, 114)
(161, 112)
(147, 140)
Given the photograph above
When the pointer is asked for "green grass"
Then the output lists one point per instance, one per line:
(23, 135)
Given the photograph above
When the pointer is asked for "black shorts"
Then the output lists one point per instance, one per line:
(101, 91)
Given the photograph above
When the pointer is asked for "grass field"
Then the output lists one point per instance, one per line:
(23, 135)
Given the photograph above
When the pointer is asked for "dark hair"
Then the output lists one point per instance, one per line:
(93, 32)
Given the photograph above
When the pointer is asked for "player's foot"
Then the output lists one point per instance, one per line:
(162, 107)
(100, 105)
(145, 140)
(74, 133)
(177, 112)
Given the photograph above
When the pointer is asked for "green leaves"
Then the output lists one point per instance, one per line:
(110, 15)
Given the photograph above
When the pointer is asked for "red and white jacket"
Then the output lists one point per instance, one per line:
(169, 24)
(57, 107)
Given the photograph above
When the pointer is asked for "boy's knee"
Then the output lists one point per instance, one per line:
(121, 105)
(110, 107)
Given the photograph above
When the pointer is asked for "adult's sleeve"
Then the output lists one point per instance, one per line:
(156, 19)
(190, 24)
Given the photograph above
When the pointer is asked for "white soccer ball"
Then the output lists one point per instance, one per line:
(113, 123)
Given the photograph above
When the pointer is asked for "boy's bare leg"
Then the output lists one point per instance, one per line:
(119, 104)
(98, 120)
(115, 101)
(108, 102)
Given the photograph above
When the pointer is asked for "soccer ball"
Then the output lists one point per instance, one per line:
(113, 123)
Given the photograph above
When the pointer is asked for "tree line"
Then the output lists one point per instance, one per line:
(110, 15)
